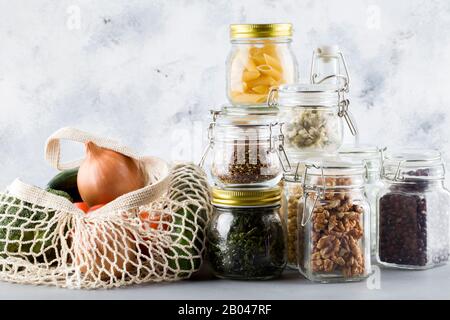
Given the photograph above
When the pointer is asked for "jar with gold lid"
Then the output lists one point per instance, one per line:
(246, 237)
(261, 57)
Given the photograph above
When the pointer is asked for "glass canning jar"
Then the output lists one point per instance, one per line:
(261, 57)
(247, 147)
(333, 216)
(372, 158)
(246, 238)
(413, 210)
(313, 117)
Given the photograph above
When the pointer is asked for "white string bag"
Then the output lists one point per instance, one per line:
(156, 233)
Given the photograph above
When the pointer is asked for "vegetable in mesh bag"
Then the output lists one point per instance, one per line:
(189, 183)
(27, 230)
(164, 240)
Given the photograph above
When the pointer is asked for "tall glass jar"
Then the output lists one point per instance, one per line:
(372, 158)
(246, 238)
(413, 211)
(260, 58)
(334, 224)
(313, 115)
(247, 147)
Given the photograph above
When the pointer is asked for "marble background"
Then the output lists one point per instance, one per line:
(147, 72)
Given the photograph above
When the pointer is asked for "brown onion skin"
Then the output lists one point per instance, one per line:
(106, 175)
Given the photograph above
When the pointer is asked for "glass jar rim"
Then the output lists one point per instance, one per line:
(307, 95)
(412, 164)
(412, 155)
(370, 154)
(329, 167)
(237, 122)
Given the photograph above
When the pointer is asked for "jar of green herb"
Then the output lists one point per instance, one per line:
(246, 238)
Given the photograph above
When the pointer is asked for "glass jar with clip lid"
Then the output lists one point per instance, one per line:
(313, 115)
(413, 210)
(247, 146)
(333, 217)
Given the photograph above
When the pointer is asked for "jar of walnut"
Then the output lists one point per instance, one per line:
(334, 227)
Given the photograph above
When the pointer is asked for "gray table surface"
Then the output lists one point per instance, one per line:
(393, 284)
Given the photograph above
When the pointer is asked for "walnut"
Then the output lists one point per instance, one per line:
(336, 233)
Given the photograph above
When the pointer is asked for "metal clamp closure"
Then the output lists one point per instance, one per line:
(345, 113)
(314, 76)
(272, 97)
(317, 190)
(281, 153)
(210, 144)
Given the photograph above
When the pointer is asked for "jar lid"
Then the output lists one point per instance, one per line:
(412, 164)
(246, 197)
(248, 31)
(335, 166)
(305, 95)
(369, 154)
(253, 116)
(327, 166)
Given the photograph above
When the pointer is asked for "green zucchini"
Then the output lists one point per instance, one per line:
(66, 181)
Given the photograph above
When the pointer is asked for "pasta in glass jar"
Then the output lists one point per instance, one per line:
(260, 58)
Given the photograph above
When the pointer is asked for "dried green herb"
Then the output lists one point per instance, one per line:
(247, 243)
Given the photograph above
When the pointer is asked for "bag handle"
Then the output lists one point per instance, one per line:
(53, 146)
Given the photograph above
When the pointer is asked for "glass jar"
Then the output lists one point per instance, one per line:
(413, 210)
(312, 114)
(246, 238)
(334, 232)
(291, 206)
(260, 58)
(247, 147)
(372, 158)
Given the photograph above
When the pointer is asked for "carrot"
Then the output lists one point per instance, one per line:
(82, 206)
(153, 221)
(93, 208)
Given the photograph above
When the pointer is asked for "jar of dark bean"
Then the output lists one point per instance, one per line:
(247, 147)
(246, 237)
(413, 211)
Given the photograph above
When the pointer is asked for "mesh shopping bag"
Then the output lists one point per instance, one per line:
(156, 233)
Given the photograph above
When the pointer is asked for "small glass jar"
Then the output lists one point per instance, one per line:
(372, 158)
(334, 229)
(246, 238)
(247, 147)
(313, 117)
(261, 57)
(413, 211)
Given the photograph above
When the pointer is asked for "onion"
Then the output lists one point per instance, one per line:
(106, 175)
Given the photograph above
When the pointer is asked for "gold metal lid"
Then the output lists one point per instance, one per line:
(246, 31)
(246, 197)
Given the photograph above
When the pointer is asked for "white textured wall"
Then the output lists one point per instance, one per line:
(136, 70)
